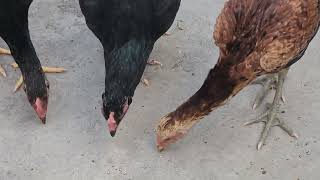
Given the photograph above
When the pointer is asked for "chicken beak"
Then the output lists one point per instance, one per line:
(40, 106)
(160, 144)
(112, 124)
(164, 142)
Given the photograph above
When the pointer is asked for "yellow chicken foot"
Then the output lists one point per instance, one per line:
(145, 82)
(2, 71)
(270, 116)
(151, 62)
(5, 52)
(154, 62)
(18, 84)
(45, 70)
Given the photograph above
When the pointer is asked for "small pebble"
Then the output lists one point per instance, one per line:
(308, 153)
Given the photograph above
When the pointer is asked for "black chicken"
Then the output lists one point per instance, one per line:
(14, 30)
(127, 30)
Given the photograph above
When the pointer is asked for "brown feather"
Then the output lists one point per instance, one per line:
(255, 37)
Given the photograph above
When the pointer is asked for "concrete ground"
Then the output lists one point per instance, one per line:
(75, 144)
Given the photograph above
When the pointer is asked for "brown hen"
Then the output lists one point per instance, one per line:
(255, 37)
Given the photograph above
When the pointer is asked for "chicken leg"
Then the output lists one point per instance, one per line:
(270, 117)
(268, 83)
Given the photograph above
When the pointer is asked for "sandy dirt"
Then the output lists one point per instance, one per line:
(75, 144)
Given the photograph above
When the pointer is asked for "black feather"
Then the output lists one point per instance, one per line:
(127, 30)
(14, 30)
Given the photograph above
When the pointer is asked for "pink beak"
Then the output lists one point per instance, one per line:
(112, 124)
(40, 106)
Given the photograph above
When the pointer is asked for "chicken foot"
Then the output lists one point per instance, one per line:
(150, 62)
(153, 62)
(2, 71)
(45, 70)
(4, 52)
(270, 117)
(15, 65)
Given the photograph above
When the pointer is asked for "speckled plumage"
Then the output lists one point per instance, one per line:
(255, 37)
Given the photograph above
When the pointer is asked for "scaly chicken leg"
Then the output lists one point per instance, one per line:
(270, 116)
(268, 83)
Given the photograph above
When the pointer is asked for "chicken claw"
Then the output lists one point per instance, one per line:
(270, 117)
(53, 70)
(45, 70)
(5, 51)
(146, 82)
(18, 84)
(2, 72)
(154, 62)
